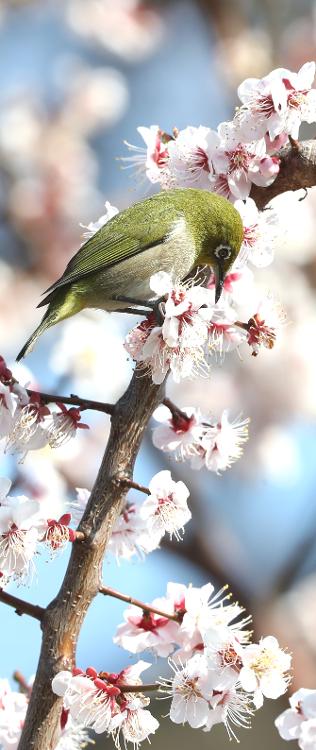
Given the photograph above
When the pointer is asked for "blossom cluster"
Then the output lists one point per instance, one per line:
(219, 675)
(13, 707)
(194, 329)
(23, 526)
(101, 701)
(28, 424)
(139, 528)
(299, 721)
(240, 153)
(203, 440)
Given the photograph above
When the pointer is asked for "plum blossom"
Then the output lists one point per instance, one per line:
(96, 700)
(264, 326)
(29, 430)
(299, 721)
(57, 533)
(278, 103)
(94, 226)
(178, 431)
(8, 405)
(190, 157)
(166, 507)
(20, 525)
(177, 345)
(63, 425)
(77, 507)
(154, 158)
(199, 700)
(131, 534)
(220, 444)
(265, 670)
(147, 630)
(210, 443)
(243, 163)
(13, 707)
(261, 231)
(89, 699)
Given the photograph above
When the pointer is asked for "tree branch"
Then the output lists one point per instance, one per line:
(107, 591)
(63, 618)
(297, 170)
(21, 607)
(82, 403)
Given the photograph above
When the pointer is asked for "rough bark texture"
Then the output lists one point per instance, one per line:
(64, 616)
(297, 170)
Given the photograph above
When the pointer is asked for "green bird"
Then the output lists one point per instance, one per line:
(174, 231)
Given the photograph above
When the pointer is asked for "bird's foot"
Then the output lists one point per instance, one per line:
(156, 307)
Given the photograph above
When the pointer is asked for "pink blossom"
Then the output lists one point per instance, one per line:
(146, 630)
(243, 163)
(13, 708)
(220, 445)
(153, 159)
(261, 232)
(190, 157)
(277, 103)
(19, 534)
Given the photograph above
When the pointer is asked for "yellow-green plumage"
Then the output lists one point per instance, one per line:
(173, 231)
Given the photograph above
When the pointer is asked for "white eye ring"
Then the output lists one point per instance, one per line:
(223, 252)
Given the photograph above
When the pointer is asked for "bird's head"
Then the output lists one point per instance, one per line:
(222, 239)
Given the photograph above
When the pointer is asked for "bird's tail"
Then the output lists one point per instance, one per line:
(48, 320)
(61, 306)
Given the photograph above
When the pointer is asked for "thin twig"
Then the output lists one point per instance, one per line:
(134, 485)
(21, 607)
(73, 400)
(20, 679)
(107, 591)
(138, 688)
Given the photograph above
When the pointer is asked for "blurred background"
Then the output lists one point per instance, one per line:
(76, 79)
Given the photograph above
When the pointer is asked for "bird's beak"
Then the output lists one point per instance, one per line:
(219, 281)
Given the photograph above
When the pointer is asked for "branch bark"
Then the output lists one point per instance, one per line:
(297, 170)
(63, 617)
(22, 607)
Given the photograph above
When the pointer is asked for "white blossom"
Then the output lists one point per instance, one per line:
(265, 670)
(133, 535)
(166, 507)
(261, 232)
(299, 721)
(94, 226)
(20, 525)
(13, 707)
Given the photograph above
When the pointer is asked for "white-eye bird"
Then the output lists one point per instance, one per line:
(173, 231)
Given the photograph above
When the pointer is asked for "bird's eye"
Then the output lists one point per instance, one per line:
(223, 252)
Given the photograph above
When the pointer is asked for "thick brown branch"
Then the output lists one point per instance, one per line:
(297, 170)
(21, 607)
(64, 616)
(107, 591)
(72, 400)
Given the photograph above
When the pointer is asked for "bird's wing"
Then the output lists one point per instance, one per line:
(111, 244)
